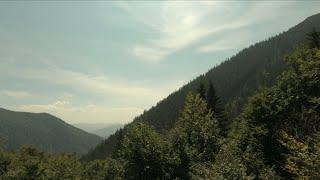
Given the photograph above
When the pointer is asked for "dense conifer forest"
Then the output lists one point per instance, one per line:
(267, 129)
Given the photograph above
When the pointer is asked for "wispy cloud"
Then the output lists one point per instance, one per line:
(179, 24)
(116, 89)
(89, 113)
(92, 83)
(121, 101)
(16, 94)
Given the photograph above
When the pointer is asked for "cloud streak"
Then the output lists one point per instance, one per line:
(92, 83)
(16, 94)
(89, 113)
(179, 24)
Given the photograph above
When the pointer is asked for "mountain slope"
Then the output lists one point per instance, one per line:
(101, 129)
(108, 130)
(90, 127)
(235, 79)
(46, 132)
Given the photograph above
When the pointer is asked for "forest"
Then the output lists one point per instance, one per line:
(273, 135)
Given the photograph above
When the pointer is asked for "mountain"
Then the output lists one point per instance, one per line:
(90, 127)
(44, 131)
(108, 130)
(235, 80)
(101, 129)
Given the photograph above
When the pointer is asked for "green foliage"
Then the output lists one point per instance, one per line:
(291, 105)
(314, 39)
(146, 154)
(241, 155)
(110, 169)
(303, 157)
(61, 166)
(25, 165)
(5, 160)
(215, 105)
(30, 163)
(196, 135)
(214, 102)
(196, 130)
(202, 91)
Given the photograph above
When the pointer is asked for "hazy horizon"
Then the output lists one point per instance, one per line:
(107, 62)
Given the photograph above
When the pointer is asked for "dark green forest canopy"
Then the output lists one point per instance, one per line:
(290, 108)
(235, 80)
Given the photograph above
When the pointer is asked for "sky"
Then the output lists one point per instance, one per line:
(108, 61)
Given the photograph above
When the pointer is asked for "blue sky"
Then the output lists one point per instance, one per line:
(108, 61)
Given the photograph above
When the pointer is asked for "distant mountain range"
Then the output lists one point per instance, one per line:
(235, 80)
(44, 131)
(101, 129)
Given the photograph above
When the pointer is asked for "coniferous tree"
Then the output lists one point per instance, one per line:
(314, 39)
(214, 102)
(291, 105)
(195, 136)
(146, 153)
(202, 90)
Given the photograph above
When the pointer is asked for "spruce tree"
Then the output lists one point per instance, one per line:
(202, 90)
(145, 152)
(196, 135)
(314, 39)
(214, 104)
(213, 101)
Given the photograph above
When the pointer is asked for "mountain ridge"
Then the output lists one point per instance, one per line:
(44, 131)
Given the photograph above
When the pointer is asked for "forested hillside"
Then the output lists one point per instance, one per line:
(276, 136)
(44, 131)
(234, 80)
